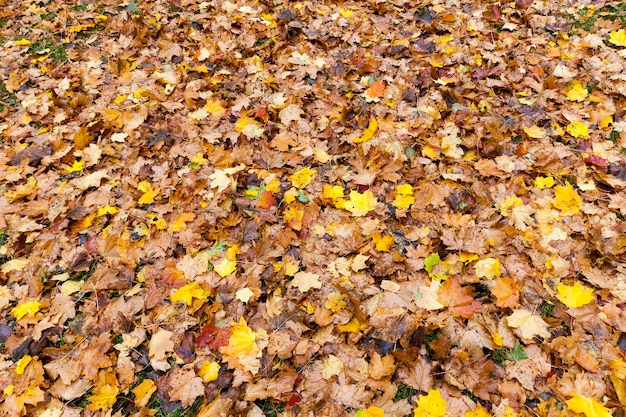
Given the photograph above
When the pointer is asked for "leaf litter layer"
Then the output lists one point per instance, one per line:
(307, 208)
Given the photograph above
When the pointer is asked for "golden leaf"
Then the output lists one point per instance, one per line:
(574, 296)
(225, 267)
(430, 405)
(360, 204)
(488, 268)
(544, 182)
(143, 392)
(577, 92)
(188, 292)
(181, 222)
(577, 129)
(82, 138)
(618, 37)
(149, 193)
(336, 302)
(21, 365)
(587, 406)
(29, 308)
(566, 200)
(103, 398)
(302, 177)
(369, 132)
(209, 371)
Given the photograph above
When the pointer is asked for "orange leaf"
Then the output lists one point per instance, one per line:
(376, 89)
(506, 292)
(458, 299)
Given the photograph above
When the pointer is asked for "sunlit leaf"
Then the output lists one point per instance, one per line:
(430, 405)
(577, 129)
(566, 200)
(618, 37)
(103, 397)
(29, 308)
(225, 267)
(587, 406)
(360, 204)
(188, 292)
(577, 91)
(574, 296)
(143, 392)
(368, 133)
(302, 177)
(370, 412)
(21, 365)
(209, 371)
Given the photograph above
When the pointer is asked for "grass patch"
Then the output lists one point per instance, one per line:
(156, 404)
(270, 408)
(404, 392)
(588, 16)
(48, 46)
(7, 99)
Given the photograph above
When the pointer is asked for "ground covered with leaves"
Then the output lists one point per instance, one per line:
(248, 208)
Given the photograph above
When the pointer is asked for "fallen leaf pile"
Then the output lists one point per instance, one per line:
(363, 208)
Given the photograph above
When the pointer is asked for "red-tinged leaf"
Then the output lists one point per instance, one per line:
(266, 200)
(262, 114)
(497, 12)
(214, 337)
(597, 161)
(362, 188)
(295, 399)
(458, 299)
(91, 246)
(186, 350)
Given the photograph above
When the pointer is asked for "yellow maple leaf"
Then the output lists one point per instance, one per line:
(293, 217)
(333, 192)
(574, 296)
(587, 406)
(353, 326)
(403, 201)
(336, 302)
(372, 411)
(245, 347)
(103, 398)
(577, 129)
(535, 132)
(566, 199)
(199, 159)
(103, 211)
(181, 222)
(214, 107)
(188, 292)
(430, 405)
(466, 257)
(404, 196)
(22, 42)
(488, 268)
(143, 392)
(544, 182)
(618, 37)
(149, 193)
(369, 132)
(21, 365)
(225, 267)
(577, 91)
(479, 411)
(383, 243)
(244, 121)
(302, 177)
(510, 203)
(209, 371)
(76, 166)
(360, 204)
(29, 308)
